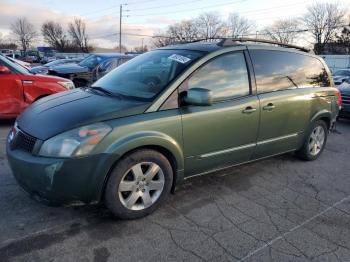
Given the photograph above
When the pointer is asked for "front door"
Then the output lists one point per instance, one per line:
(11, 95)
(224, 133)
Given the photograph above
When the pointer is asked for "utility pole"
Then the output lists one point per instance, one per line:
(120, 28)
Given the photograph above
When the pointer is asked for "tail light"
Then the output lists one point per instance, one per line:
(339, 98)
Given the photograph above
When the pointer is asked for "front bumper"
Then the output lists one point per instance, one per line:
(345, 111)
(59, 181)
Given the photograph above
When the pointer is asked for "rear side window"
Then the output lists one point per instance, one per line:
(278, 70)
(226, 76)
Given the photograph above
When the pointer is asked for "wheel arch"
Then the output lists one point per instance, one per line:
(323, 115)
(153, 141)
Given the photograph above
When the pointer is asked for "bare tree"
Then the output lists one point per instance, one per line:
(184, 31)
(77, 31)
(124, 49)
(54, 35)
(161, 39)
(323, 20)
(344, 36)
(24, 32)
(283, 31)
(209, 25)
(343, 40)
(141, 49)
(237, 26)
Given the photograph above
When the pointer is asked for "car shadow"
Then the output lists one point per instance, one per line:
(7, 122)
(344, 120)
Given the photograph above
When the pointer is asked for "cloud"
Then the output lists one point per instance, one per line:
(102, 31)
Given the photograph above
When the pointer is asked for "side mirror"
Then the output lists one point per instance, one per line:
(4, 70)
(198, 97)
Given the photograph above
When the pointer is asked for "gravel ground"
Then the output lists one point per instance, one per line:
(279, 209)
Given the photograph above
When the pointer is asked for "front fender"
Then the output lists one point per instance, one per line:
(150, 138)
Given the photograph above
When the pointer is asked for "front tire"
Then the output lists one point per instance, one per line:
(138, 184)
(315, 141)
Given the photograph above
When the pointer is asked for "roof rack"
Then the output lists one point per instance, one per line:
(235, 41)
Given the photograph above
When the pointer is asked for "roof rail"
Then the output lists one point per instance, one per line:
(235, 41)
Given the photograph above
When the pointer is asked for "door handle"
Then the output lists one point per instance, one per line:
(27, 82)
(269, 107)
(248, 110)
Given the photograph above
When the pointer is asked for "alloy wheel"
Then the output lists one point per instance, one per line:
(141, 186)
(316, 140)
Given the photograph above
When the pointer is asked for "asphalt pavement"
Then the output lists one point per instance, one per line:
(278, 209)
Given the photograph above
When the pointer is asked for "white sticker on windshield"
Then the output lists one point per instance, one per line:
(179, 58)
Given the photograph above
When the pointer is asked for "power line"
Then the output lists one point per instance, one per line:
(249, 34)
(263, 10)
(162, 6)
(138, 2)
(99, 10)
(256, 11)
(190, 10)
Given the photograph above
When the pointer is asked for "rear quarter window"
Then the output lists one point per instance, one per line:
(279, 70)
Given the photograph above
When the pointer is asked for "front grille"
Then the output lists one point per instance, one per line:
(24, 141)
(345, 99)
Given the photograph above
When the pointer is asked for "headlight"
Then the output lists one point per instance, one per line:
(67, 84)
(77, 142)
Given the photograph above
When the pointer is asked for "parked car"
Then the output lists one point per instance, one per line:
(48, 57)
(129, 143)
(19, 62)
(344, 89)
(81, 73)
(30, 56)
(108, 65)
(19, 88)
(44, 69)
(6, 51)
(341, 75)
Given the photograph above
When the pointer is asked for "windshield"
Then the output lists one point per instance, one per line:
(91, 61)
(342, 73)
(145, 76)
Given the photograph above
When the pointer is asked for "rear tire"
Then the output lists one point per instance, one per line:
(138, 184)
(315, 141)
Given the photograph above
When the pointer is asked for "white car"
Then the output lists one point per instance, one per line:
(19, 62)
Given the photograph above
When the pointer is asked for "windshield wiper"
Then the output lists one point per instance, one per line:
(103, 90)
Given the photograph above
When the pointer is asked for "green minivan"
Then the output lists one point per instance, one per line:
(170, 114)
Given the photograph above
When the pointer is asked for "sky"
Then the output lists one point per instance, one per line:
(143, 18)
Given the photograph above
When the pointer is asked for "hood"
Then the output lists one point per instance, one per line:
(64, 111)
(69, 69)
(44, 78)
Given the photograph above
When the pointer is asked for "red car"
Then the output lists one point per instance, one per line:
(19, 87)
